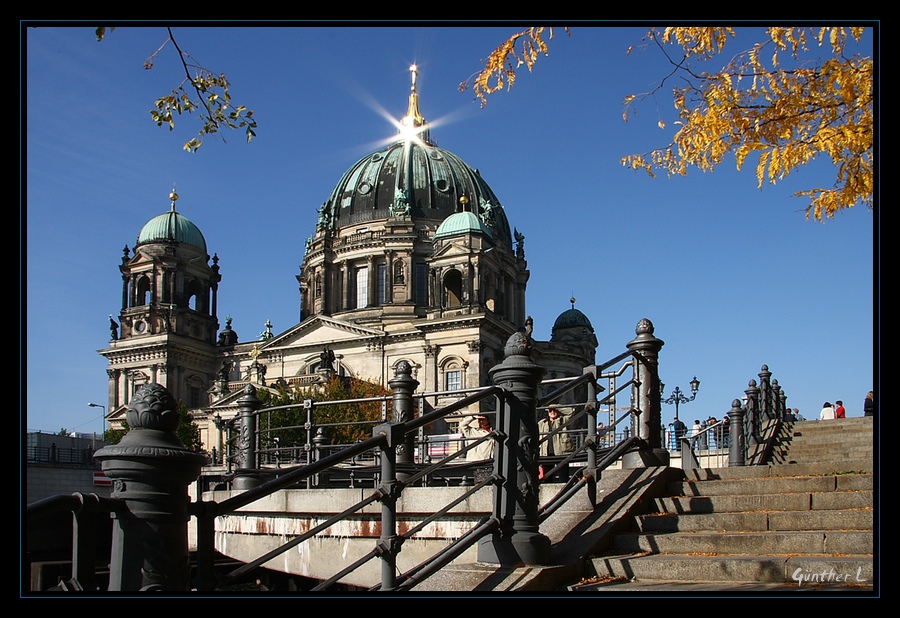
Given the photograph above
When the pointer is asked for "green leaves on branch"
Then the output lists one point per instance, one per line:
(203, 92)
(213, 100)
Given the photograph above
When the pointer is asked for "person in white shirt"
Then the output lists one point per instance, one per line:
(827, 413)
(474, 427)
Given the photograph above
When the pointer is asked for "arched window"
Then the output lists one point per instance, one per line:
(453, 373)
(143, 291)
(194, 295)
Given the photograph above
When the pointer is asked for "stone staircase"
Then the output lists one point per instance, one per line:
(804, 524)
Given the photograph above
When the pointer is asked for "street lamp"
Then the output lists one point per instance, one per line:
(102, 418)
(677, 397)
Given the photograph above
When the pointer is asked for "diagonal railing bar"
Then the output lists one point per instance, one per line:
(446, 509)
(324, 584)
(494, 435)
(283, 481)
(426, 569)
(240, 571)
(611, 456)
(616, 359)
(570, 385)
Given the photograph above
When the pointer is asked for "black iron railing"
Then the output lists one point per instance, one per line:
(150, 504)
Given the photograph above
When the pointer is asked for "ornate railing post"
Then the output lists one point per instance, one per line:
(517, 540)
(753, 416)
(403, 385)
(389, 542)
(151, 471)
(737, 447)
(648, 425)
(592, 414)
(775, 412)
(766, 402)
(246, 476)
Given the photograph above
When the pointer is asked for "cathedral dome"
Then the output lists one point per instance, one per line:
(415, 178)
(171, 227)
(572, 318)
(462, 223)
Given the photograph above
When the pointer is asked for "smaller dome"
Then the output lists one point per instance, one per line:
(572, 318)
(171, 227)
(462, 223)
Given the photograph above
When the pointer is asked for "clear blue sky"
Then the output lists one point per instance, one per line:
(732, 276)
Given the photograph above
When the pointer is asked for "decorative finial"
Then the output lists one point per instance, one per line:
(174, 197)
(572, 300)
(413, 123)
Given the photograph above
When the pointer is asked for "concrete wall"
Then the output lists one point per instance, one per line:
(44, 480)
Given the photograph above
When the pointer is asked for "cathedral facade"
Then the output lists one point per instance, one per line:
(412, 259)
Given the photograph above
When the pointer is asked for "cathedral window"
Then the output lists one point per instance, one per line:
(362, 287)
(422, 284)
(381, 283)
(453, 380)
(194, 398)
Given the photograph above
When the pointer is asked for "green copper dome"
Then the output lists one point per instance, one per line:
(171, 227)
(572, 318)
(413, 178)
(462, 223)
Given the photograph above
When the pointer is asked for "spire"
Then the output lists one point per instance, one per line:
(413, 123)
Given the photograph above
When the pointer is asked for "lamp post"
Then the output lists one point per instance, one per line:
(677, 397)
(220, 424)
(102, 418)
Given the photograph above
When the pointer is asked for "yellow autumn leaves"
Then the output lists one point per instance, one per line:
(776, 100)
(787, 115)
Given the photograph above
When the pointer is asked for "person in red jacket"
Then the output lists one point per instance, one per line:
(839, 411)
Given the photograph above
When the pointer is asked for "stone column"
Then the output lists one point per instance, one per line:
(151, 471)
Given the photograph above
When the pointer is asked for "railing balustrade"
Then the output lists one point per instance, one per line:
(401, 454)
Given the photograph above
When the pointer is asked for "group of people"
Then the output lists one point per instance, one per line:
(558, 443)
(555, 440)
(831, 412)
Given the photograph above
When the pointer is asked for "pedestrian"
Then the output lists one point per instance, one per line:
(839, 411)
(797, 415)
(827, 413)
(715, 432)
(680, 430)
(559, 443)
(602, 435)
(869, 404)
(695, 433)
(726, 432)
(473, 428)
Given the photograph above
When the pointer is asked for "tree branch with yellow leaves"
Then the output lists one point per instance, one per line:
(786, 115)
(500, 68)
